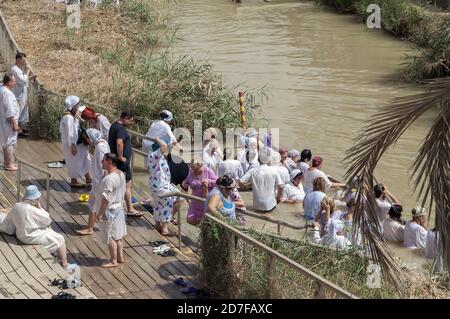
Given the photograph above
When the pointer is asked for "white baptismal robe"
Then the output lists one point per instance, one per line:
(33, 227)
(78, 165)
(103, 125)
(8, 108)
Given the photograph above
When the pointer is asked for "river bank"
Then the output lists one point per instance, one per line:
(118, 59)
(416, 21)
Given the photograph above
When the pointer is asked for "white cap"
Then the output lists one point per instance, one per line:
(168, 116)
(71, 101)
(294, 173)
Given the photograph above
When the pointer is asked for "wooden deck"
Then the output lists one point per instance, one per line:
(26, 270)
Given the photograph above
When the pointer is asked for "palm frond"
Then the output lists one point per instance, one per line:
(432, 176)
(381, 132)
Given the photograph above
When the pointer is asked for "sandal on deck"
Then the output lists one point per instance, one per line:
(180, 282)
(157, 243)
(64, 295)
(190, 291)
(160, 249)
(167, 253)
(138, 214)
(148, 207)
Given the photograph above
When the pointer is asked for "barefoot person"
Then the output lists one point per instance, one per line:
(94, 137)
(75, 151)
(160, 183)
(9, 115)
(120, 144)
(32, 226)
(108, 204)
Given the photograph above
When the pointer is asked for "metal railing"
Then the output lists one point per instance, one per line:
(47, 181)
(273, 255)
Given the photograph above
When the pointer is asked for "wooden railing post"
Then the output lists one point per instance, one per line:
(19, 169)
(270, 273)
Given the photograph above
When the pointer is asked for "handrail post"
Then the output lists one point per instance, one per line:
(179, 228)
(279, 228)
(270, 271)
(318, 290)
(19, 168)
(47, 185)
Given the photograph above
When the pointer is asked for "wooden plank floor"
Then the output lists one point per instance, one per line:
(144, 274)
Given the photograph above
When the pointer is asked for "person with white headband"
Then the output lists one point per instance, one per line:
(76, 152)
(94, 137)
(293, 191)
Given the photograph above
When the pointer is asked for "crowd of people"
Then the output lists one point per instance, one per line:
(273, 176)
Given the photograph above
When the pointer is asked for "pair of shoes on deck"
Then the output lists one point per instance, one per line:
(64, 295)
(164, 251)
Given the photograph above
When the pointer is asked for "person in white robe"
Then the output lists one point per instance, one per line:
(334, 238)
(415, 235)
(393, 228)
(282, 170)
(22, 75)
(97, 121)
(314, 172)
(9, 116)
(293, 191)
(230, 166)
(212, 151)
(248, 157)
(32, 226)
(101, 148)
(431, 244)
(111, 214)
(76, 155)
(159, 128)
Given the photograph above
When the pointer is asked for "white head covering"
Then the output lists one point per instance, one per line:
(265, 155)
(168, 116)
(94, 135)
(294, 174)
(70, 102)
(276, 158)
(252, 143)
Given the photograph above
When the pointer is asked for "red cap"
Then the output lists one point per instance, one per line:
(316, 161)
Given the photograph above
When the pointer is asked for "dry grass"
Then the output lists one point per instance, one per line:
(72, 61)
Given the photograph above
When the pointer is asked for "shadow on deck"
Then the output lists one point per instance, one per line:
(144, 274)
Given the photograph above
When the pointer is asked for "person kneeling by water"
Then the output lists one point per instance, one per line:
(32, 226)
(219, 200)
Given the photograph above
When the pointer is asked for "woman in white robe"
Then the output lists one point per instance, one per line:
(9, 116)
(101, 148)
(159, 128)
(76, 155)
(109, 205)
(32, 225)
(333, 237)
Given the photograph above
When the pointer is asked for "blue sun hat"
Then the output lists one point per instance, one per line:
(31, 193)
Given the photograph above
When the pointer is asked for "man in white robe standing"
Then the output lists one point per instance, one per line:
(22, 75)
(32, 226)
(9, 127)
(76, 155)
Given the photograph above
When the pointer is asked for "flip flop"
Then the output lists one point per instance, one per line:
(191, 291)
(64, 295)
(84, 197)
(78, 185)
(55, 165)
(180, 282)
(167, 253)
(160, 249)
(157, 243)
(138, 214)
